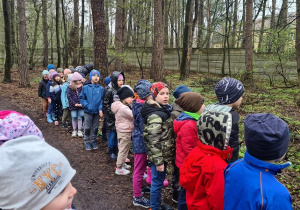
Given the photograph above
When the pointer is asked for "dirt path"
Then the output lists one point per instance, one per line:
(97, 185)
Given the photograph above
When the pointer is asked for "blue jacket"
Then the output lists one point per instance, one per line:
(250, 183)
(64, 99)
(138, 144)
(91, 98)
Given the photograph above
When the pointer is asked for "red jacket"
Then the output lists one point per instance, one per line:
(202, 177)
(185, 128)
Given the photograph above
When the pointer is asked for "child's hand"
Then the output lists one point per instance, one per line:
(160, 168)
(49, 100)
(78, 105)
(100, 113)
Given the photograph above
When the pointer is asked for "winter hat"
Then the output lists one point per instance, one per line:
(70, 77)
(107, 80)
(45, 72)
(266, 136)
(93, 72)
(72, 70)
(89, 67)
(67, 71)
(76, 76)
(179, 90)
(143, 88)
(51, 66)
(32, 173)
(214, 128)
(60, 70)
(55, 74)
(52, 73)
(82, 74)
(125, 92)
(190, 101)
(156, 87)
(14, 125)
(120, 77)
(229, 90)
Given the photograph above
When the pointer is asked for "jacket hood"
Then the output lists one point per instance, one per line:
(114, 79)
(115, 106)
(180, 121)
(176, 107)
(152, 107)
(217, 108)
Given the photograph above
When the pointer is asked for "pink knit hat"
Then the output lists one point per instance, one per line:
(14, 125)
(51, 74)
(66, 71)
(76, 76)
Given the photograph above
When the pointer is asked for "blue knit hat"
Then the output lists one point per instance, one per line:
(107, 80)
(266, 136)
(229, 90)
(93, 72)
(179, 90)
(51, 66)
(45, 72)
(142, 88)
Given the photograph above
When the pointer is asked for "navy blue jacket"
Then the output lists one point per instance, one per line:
(91, 98)
(250, 183)
(138, 144)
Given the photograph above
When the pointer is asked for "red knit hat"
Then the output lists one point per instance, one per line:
(157, 87)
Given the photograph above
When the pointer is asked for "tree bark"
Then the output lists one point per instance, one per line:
(157, 63)
(234, 27)
(75, 35)
(65, 56)
(297, 44)
(262, 29)
(200, 25)
(282, 21)
(119, 35)
(100, 42)
(248, 41)
(7, 27)
(208, 33)
(23, 70)
(81, 52)
(14, 49)
(166, 28)
(57, 21)
(45, 33)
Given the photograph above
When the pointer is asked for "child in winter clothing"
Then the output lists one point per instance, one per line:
(229, 92)
(250, 183)
(73, 94)
(159, 139)
(138, 145)
(185, 129)
(50, 113)
(34, 175)
(124, 126)
(103, 130)
(117, 80)
(14, 125)
(50, 67)
(42, 91)
(60, 71)
(55, 95)
(201, 174)
(65, 103)
(91, 101)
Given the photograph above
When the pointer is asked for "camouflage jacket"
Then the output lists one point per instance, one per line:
(158, 133)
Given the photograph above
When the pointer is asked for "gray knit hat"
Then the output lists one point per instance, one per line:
(32, 173)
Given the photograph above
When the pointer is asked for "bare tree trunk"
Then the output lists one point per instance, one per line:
(100, 42)
(236, 4)
(75, 38)
(273, 26)
(297, 44)
(244, 24)
(200, 25)
(23, 70)
(248, 42)
(157, 63)
(282, 20)
(37, 9)
(81, 52)
(57, 21)
(51, 38)
(65, 56)
(119, 35)
(171, 16)
(166, 28)
(14, 50)
(262, 29)
(45, 33)
(7, 26)
(107, 20)
(208, 33)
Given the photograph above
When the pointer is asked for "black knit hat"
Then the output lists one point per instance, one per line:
(229, 90)
(125, 92)
(266, 136)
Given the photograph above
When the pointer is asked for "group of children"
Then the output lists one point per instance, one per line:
(201, 142)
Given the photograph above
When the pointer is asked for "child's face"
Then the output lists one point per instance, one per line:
(46, 76)
(163, 96)
(95, 78)
(61, 74)
(63, 200)
(237, 104)
(57, 79)
(128, 100)
(201, 109)
(120, 83)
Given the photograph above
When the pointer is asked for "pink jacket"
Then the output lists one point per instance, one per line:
(124, 117)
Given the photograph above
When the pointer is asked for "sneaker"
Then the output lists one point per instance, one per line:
(94, 145)
(87, 146)
(145, 189)
(56, 123)
(141, 201)
(74, 134)
(126, 166)
(122, 171)
(80, 134)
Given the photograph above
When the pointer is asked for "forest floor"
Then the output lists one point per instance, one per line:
(97, 185)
